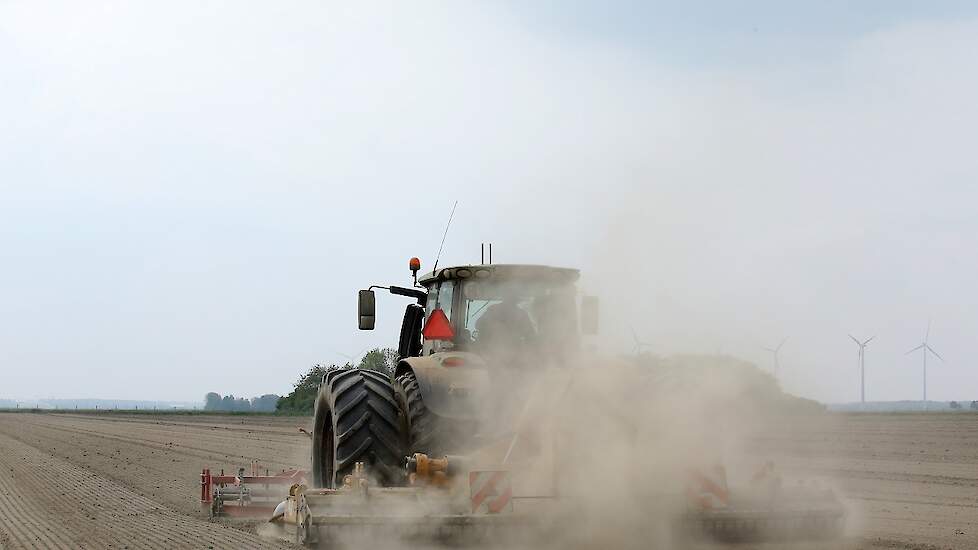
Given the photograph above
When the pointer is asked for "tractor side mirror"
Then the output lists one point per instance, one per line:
(589, 314)
(366, 309)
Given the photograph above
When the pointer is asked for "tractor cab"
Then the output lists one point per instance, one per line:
(491, 310)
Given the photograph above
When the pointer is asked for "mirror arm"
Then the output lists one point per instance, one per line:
(420, 295)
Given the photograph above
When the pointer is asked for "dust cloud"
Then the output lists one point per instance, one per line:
(628, 435)
(601, 451)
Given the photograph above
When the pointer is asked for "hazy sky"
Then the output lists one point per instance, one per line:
(191, 193)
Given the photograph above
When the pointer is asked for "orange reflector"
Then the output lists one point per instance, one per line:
(437, 327)
(453, 362)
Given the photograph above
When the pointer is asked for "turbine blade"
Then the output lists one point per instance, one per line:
(854, 340)
(915, 349)
(870, 340)
(781, 344)
(930, 349)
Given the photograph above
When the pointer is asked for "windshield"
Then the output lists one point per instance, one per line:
(507, 313)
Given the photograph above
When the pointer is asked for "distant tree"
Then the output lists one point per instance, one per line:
(974, 405)
(955, 405)
(212, 402)
(265, 403)
(380, 360)
(302, 400)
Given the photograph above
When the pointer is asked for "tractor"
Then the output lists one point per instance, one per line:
(467, 338)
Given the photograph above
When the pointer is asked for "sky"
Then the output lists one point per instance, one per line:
(191, 193)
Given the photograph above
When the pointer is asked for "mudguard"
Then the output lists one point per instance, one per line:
(452, 384)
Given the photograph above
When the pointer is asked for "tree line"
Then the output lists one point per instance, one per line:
(217, 402)
(302, 399)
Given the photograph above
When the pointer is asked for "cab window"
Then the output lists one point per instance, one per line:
(442, 299)
(440, 296)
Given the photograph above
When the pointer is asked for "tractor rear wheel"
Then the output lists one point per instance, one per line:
(425, 431)
(356, 420)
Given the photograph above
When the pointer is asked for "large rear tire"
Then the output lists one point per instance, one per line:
(356, 420)
(425, 431)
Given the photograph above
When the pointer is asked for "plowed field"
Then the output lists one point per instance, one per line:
(130, 481)
(113, 481)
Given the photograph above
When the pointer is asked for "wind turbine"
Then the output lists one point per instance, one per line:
(862, 366)
(926, 348)
(639, 344)
(775, 351)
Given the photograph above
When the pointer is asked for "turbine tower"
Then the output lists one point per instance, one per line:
(862, 366)
(926, 348)
(775, 351)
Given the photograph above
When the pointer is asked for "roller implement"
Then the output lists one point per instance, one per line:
(494, 426)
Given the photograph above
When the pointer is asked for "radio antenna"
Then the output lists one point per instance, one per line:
(442, 245)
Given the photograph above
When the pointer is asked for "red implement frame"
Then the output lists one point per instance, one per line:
(252, 496)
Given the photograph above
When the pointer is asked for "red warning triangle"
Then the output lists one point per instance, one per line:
(437, 327)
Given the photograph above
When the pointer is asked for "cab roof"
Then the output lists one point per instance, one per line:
(502, 271)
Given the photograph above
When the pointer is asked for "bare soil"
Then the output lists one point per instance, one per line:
(116, 481)
(131, 481)
(910, 479)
